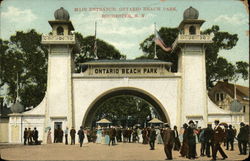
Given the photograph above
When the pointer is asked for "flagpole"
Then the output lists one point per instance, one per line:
(95, 45)
(155, 56)
(17, 87)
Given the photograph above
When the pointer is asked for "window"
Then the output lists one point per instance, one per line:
(244, 109)
(219, 96)
(59, 30)
(192, 30)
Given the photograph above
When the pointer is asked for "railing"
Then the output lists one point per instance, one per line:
(192, 39)
(58, 39)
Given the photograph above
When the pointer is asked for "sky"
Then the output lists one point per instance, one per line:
(127, 33)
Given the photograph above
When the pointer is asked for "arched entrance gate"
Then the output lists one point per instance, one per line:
(149, 80)
(90, 113)
(72, 98)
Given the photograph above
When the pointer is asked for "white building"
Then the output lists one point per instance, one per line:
(72, 98)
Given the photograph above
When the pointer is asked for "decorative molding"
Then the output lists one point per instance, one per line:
(194, 116)
(192, 39)
(58, 39)
(229, 113)
(79, 76)
(58, 117)
(20, 114)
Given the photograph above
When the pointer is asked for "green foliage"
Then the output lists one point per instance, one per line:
(217, 68)
(124, 110)
(25, 57)
(168, 35)
(86, 44)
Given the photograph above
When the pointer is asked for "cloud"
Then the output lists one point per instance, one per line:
(14, 14)
(122, 44)
(122, 30)
(106, 26)
(124, 33)
(236, 19)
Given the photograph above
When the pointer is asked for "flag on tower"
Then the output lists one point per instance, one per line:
(159, 41)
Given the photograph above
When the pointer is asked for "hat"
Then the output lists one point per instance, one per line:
(209, 123)
(217, 120)
(185, 125)
(166, 125)
(242, 124)
(191, 121)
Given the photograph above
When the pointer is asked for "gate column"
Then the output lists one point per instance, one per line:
(190, 46)
(59, 109)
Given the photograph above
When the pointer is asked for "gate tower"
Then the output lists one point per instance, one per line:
(190, 46)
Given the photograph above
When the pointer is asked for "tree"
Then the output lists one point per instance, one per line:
(124, 110)
(147, 46)
(86, 53)
(217, 68)
(24, 57)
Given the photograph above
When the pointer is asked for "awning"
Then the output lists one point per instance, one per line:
(103, 121)
(155, 120)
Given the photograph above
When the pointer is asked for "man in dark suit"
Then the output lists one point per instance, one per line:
(243, 138)
(152, 137)
(144, 136)
(191, 140)
(112, 134)
(218, 138)
(119, 134)
(60, 135)
(25, 135)
(81, 135)
(35, 136)
(208, 136)
(184, 147)
(56, 135)
(230, 137)
(72, 135)
(177, 143)
(168, 140)
(129, 134)
(30, 136)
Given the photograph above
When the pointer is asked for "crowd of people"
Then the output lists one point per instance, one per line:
(183, 140)
(30, 137)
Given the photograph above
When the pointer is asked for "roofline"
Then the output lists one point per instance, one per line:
(190, 21)
(51, 22)
(233, 84)
(122, 63)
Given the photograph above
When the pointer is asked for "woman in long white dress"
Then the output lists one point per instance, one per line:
(159, 138)
(49, 140)
(103, 137)
(85, 137)
(107, 138)
(139, 135)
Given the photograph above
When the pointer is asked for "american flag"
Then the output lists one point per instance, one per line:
(160, 42)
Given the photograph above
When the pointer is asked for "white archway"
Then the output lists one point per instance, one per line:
(89, 114)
